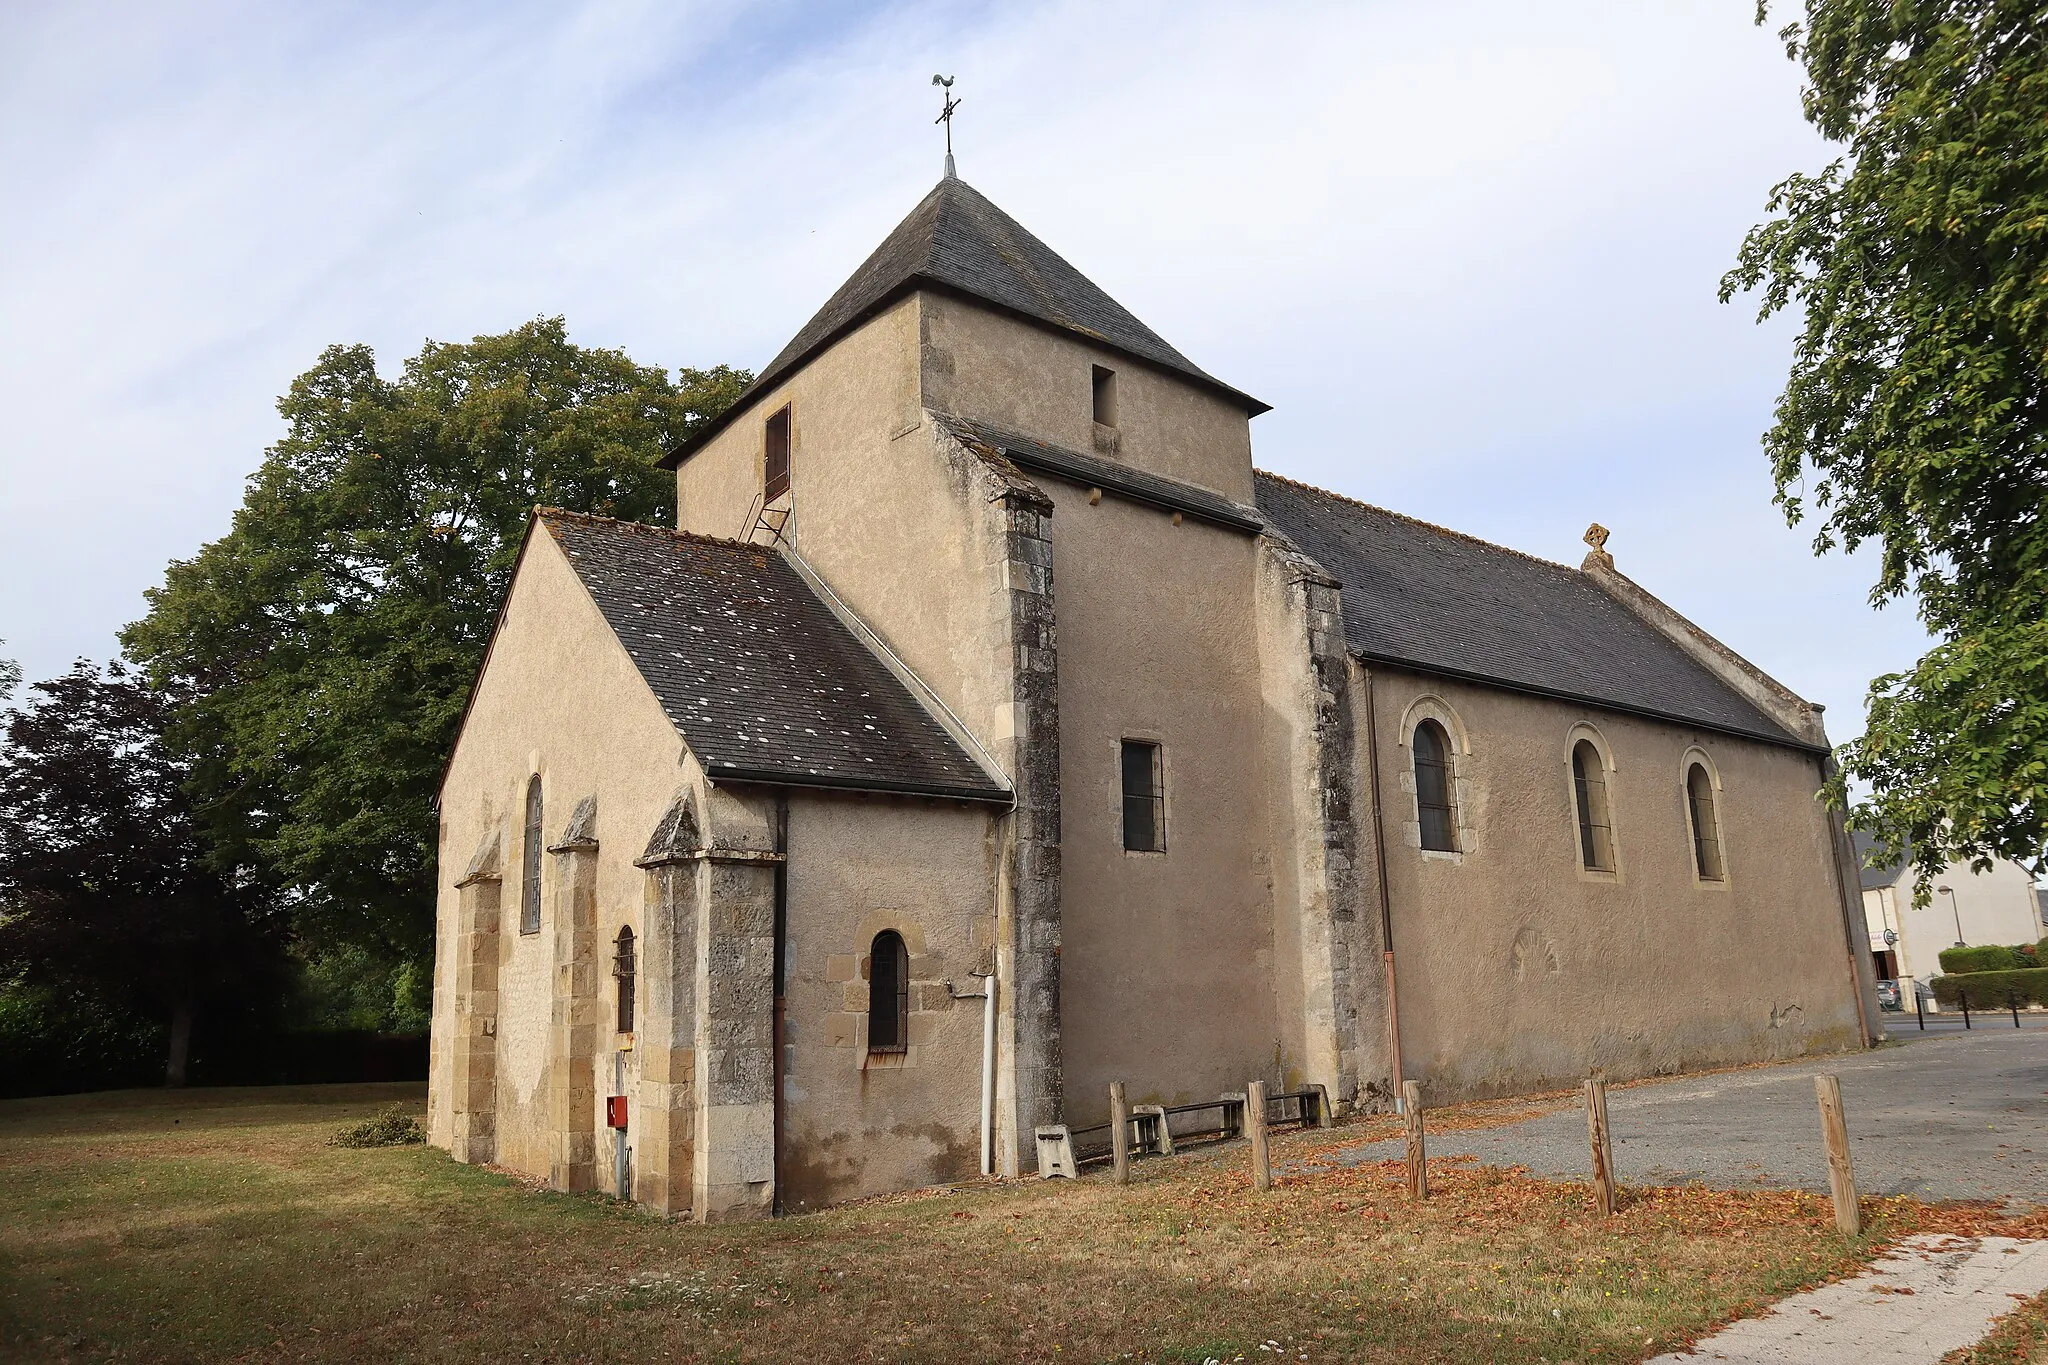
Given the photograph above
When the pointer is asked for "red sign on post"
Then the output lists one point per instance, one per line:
(615, 1110)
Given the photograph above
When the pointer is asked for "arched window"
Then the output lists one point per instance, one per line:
(1589, 785)
(888, 993)
(1706, 824)
(1433, 787)
(622, 972)
(529, 870)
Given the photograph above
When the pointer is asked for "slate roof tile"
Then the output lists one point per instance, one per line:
(1884, 874)
(1435, 600)
(754, 670)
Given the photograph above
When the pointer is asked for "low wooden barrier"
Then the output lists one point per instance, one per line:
(1149, 1129)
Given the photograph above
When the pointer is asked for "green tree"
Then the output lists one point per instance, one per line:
(1916, 414)
(329, 640)
(10, 677)
(107, 888)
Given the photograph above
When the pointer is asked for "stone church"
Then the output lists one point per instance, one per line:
(989, 729)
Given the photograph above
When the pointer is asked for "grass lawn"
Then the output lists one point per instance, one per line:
(219, 1225)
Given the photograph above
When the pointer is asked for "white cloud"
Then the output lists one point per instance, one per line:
(1468, 250)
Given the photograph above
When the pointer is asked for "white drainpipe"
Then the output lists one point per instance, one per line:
(988, 1066)
(988, 1074)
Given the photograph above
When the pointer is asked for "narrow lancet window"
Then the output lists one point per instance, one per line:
(529, 868)
(623, 969)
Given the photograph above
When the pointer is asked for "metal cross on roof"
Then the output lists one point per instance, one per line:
(946, 117)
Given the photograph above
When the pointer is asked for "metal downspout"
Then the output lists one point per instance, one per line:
(1379, 853)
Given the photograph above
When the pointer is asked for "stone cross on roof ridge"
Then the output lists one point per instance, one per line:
(1597, 558)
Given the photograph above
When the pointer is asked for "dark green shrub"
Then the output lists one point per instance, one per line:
(1986, 958)
(56, 1042)
(1988, 990)
(392, 1128)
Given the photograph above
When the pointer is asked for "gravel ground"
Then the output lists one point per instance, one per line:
(1960, 1116)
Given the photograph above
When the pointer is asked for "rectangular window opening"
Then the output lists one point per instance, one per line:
(1105, 396)
(1144, 798)
(776, 464)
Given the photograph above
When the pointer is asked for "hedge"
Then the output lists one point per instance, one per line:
(1988, 990)
(1988, 958)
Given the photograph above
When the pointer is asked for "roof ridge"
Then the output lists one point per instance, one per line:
(1418, 521)
(545, 513)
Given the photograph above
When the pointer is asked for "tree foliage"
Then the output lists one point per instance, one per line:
(107, 887)
(1914, 417)
(329, 640)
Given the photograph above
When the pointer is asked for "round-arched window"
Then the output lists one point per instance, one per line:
(888, 993)
(1706, 824)
(1596, 826)
(1432, 750)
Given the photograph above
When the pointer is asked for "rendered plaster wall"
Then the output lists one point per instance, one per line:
(845, 404)
(858, 1124)
(1519, 971)
(981, 364)
(894, 519)
(1167, 969)
(595, 732)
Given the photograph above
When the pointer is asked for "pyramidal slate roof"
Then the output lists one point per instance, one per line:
(956, 240)
(762, 680)
(1446, 603)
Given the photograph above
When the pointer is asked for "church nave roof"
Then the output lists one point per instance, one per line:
(763, 681)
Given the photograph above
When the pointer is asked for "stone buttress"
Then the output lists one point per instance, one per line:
(575, 1008)
(473, 1074)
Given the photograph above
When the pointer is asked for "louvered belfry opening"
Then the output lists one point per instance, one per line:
(1103, 387)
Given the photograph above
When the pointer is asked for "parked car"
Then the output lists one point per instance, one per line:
(1889, 996)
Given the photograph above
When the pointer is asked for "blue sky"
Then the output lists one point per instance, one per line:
(1467, 249)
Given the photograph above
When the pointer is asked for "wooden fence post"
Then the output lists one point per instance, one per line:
(1598, 1138)
(1119, 1133)
(1255, 1125)
(1418, 1156)
(1827, 1087)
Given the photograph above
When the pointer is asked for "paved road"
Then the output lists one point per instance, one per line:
(1956, 1116)
(1904, 1027)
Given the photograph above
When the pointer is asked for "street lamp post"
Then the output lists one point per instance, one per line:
(1950, 893)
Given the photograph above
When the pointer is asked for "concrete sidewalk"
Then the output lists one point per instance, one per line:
(1911, 1307)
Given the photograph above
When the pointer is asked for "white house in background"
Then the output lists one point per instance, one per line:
(2001, 906)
